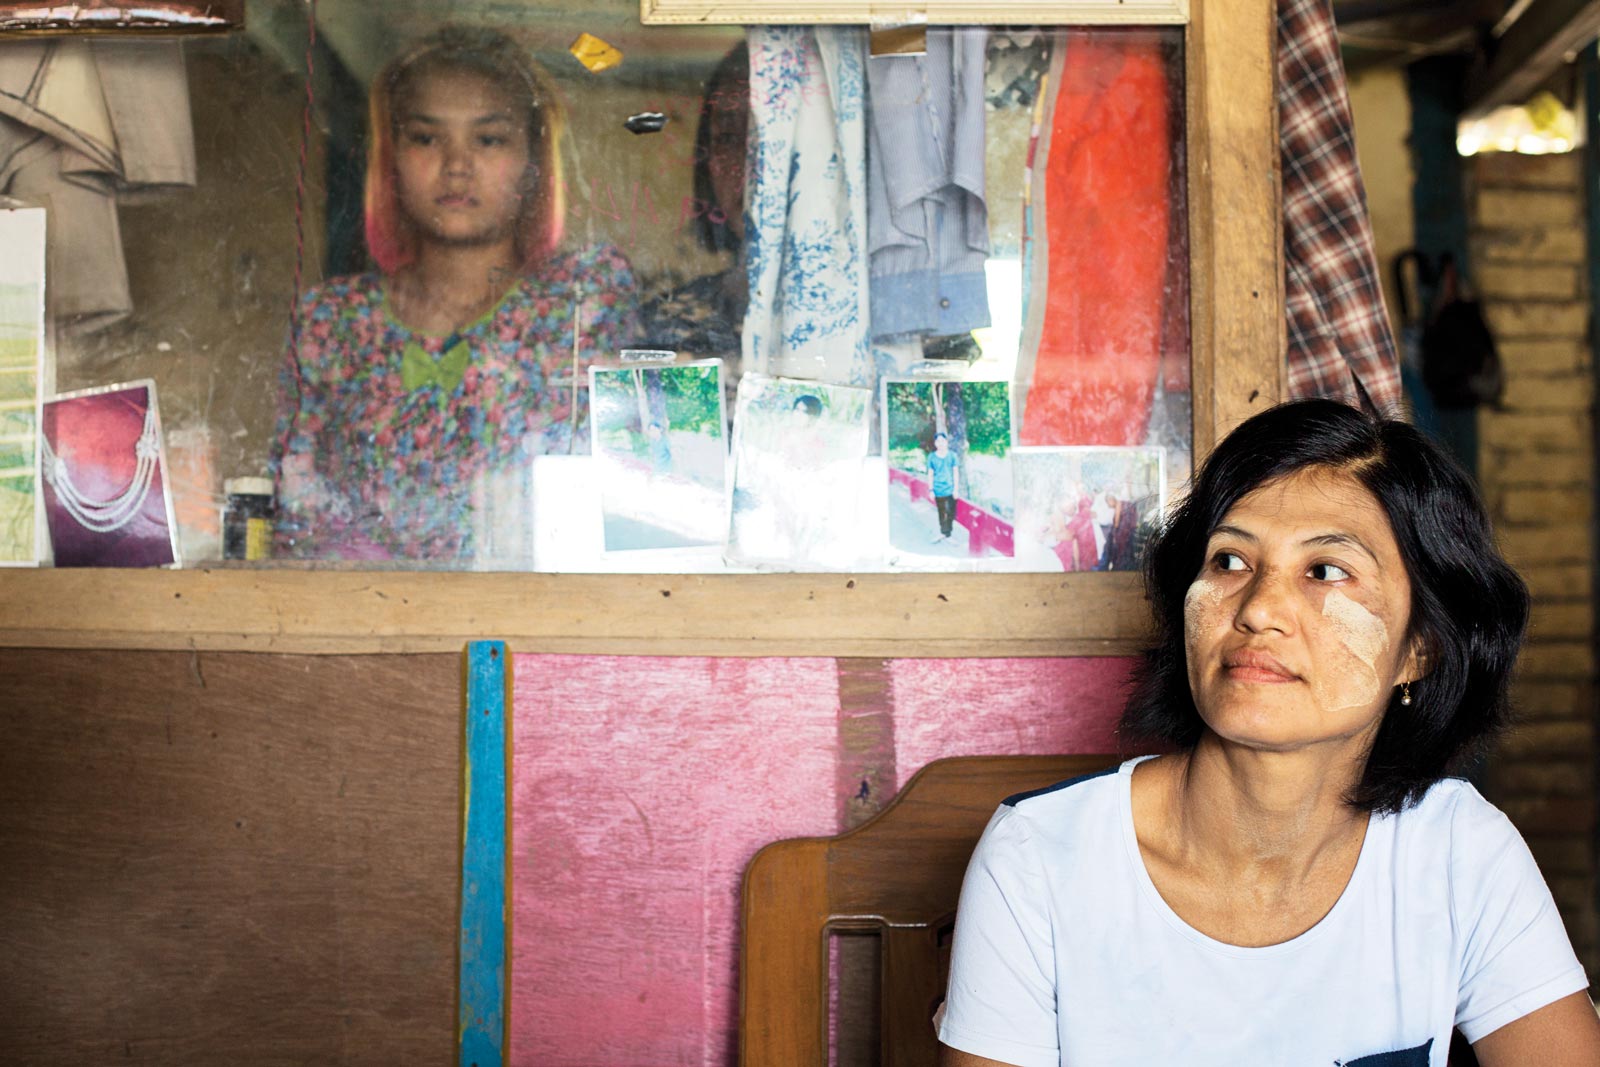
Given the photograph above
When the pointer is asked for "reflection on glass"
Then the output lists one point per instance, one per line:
(486, 217)
(416, 395)
(703, 316)
(1105, 346)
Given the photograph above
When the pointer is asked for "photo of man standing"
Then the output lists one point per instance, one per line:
(945, 480)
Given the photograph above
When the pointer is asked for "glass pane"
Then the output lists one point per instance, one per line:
(498, 201)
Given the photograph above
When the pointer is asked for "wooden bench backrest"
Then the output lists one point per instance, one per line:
(899, 874)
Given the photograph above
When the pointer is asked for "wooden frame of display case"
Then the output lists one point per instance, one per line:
(933, 12)
(1237, 343)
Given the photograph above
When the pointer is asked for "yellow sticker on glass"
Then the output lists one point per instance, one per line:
(594, 53)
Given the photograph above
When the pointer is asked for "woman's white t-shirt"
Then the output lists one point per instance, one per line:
(1065, 953)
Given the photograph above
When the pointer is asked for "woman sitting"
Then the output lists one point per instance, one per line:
(1299, 882)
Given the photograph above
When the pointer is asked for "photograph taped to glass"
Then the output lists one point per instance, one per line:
(1087, 509)
(22, 234)
(798, 452)
(106, 494)
(660, 449)
(948, 446)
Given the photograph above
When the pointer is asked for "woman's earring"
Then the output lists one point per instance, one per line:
(1405, 693)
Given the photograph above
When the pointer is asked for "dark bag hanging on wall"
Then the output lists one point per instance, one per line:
(1460, 364)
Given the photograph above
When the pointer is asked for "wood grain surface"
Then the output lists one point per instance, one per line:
(254, 859)
(900, 873)
(934, 12)
(1236, 323)
(342, 612)
(228, 858)
(485, 940)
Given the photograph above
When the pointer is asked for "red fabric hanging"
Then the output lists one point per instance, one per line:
(1109, 213)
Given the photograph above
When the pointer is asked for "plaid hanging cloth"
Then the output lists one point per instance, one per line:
(1341, 344)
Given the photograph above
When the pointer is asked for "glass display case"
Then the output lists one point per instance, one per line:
(507, 288)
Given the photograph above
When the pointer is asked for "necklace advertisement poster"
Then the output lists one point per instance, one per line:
(106, 498)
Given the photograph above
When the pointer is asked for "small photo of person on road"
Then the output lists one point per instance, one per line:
(948, 446)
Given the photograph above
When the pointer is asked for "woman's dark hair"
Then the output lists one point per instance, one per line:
(1469, 609)
(727, 88)
(809, 404)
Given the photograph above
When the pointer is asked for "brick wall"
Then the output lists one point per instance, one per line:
(1536, 458)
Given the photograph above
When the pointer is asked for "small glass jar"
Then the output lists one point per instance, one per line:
(247, 519)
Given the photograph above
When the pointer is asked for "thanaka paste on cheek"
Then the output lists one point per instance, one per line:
(1366, 638)
(1199, 604)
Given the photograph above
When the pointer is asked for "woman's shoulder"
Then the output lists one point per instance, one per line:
(1447, 801)
(600, 265)
(1061, 826)
(1093, 797)
(1454, 827)
(342, 293)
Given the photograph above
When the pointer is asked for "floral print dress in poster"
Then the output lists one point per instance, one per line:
(394, 444)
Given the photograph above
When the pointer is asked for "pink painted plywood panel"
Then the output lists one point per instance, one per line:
(978, 707)
(641, 788)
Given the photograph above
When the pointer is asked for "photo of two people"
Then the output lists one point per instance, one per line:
(1087, 508)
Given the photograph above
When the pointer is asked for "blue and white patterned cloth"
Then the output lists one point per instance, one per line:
(806, 219)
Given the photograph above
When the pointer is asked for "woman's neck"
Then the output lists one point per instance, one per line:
(1250, 848)
(1271, 814)
(449, 286)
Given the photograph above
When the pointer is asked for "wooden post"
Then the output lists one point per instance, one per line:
(1237, 333)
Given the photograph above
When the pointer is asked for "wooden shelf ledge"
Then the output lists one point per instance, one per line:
(993, 615)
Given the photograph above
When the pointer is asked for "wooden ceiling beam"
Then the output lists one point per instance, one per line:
(1354, 12)
(1533, 48)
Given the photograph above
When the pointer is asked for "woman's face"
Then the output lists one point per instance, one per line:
(1295, 626)
(461, 159)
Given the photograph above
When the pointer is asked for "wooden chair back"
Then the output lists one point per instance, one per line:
(898, 874)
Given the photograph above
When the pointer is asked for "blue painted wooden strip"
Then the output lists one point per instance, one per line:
(481, 1026)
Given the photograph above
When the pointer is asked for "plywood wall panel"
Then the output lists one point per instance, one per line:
(644, 785)
(228, 858)
(253, 859)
